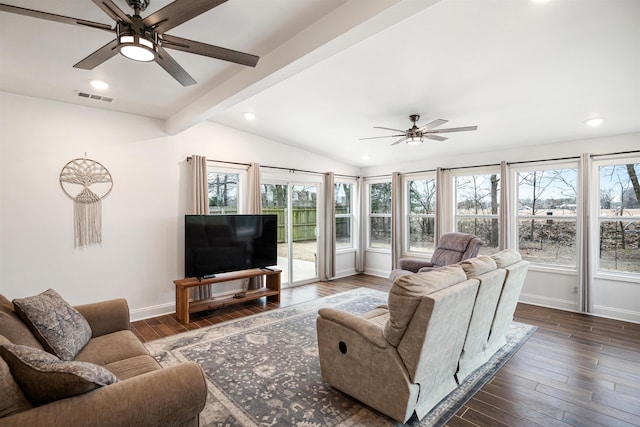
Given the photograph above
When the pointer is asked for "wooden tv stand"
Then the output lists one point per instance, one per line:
(184, 307)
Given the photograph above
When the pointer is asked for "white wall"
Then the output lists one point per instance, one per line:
(141, 253)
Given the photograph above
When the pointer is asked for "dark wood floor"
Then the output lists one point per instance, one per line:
(576, 370)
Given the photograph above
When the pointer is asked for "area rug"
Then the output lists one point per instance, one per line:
(263, 370)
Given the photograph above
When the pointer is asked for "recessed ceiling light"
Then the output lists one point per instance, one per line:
(366, 157)
(593, 122)
(249, 115)
(99, 84)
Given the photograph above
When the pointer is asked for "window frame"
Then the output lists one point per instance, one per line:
(408, 216)
(350, 216)
(371, 215)
(470, 172)
(597, 217)
(514, 210)
(242, 193)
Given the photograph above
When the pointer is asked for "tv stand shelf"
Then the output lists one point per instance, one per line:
(184, 306)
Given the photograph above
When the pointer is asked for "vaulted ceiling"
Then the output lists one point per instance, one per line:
(524, 71)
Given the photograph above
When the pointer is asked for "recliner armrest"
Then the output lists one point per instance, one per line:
(363, 327)
(166, 397)
(106, 317)
(414, 264)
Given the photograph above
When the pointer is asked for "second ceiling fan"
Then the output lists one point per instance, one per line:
(415, 133)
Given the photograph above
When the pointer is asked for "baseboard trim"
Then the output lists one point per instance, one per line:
(153, 311)
(549, 302)
(616, 313)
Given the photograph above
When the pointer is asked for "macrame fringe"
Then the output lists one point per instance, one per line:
(87, 209)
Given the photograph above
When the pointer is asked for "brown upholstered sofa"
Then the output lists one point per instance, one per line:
(144, 395)
(438, 327)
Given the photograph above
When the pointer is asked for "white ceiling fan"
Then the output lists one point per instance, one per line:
(415, 133)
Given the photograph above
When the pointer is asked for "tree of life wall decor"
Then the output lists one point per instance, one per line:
(75, 179)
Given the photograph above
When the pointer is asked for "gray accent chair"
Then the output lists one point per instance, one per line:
(451, 248)
(402, 357)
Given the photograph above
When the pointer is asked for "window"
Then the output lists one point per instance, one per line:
(477, 208)
(547, 200)
(421, 215)
(223, 192)
(344, 215)
(380, 215)
(619, 217)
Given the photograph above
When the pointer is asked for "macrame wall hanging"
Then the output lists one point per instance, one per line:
(75, 179)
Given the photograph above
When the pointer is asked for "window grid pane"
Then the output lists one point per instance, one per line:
(223, 192)
(343, 215)
(477, 208)
(547, 225)
(619, 218)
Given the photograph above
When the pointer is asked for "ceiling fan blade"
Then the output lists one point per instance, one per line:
(435, 137)
(395, 130)
(399, 141)
(172, 67)
(53, 17)
(378, 137)
(462, 129)
(178, 12)
(112, 10)
(433, 124)
(99, 56)
(185, 45)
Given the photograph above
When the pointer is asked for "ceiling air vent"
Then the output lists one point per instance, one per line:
(93, 96)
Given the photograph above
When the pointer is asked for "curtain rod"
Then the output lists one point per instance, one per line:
(291, 170)
(615, 154)
(544, 160)
(471, 167)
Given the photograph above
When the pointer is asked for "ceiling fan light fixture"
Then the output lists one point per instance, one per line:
(134, 42)
(414, 140)
(137, 48)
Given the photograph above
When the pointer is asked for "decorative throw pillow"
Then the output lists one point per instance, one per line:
(44, 378)
(60, 328)
(12, 399)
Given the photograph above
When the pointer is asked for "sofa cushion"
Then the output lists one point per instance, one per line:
(406, 293)
(132, 367)
(506, 257)
(112, 348)
(13, 328)
(45, 378)
(12, 399)
(474, 267)
(60, 328)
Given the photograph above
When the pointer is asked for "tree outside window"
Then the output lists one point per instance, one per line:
(380, 215)
(547, 200)
(619, 218)
(344, 215)
(223, 192)
(421, 217)
(478, 208)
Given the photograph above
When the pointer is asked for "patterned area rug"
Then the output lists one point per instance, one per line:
(263, 370)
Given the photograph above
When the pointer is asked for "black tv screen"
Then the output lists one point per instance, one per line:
(222, 243)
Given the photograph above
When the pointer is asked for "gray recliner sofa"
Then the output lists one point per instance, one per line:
(437, 328)
(451, 248)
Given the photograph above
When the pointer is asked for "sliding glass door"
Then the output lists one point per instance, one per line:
(296, 205)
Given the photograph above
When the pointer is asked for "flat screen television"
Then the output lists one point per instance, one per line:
(222, 243)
